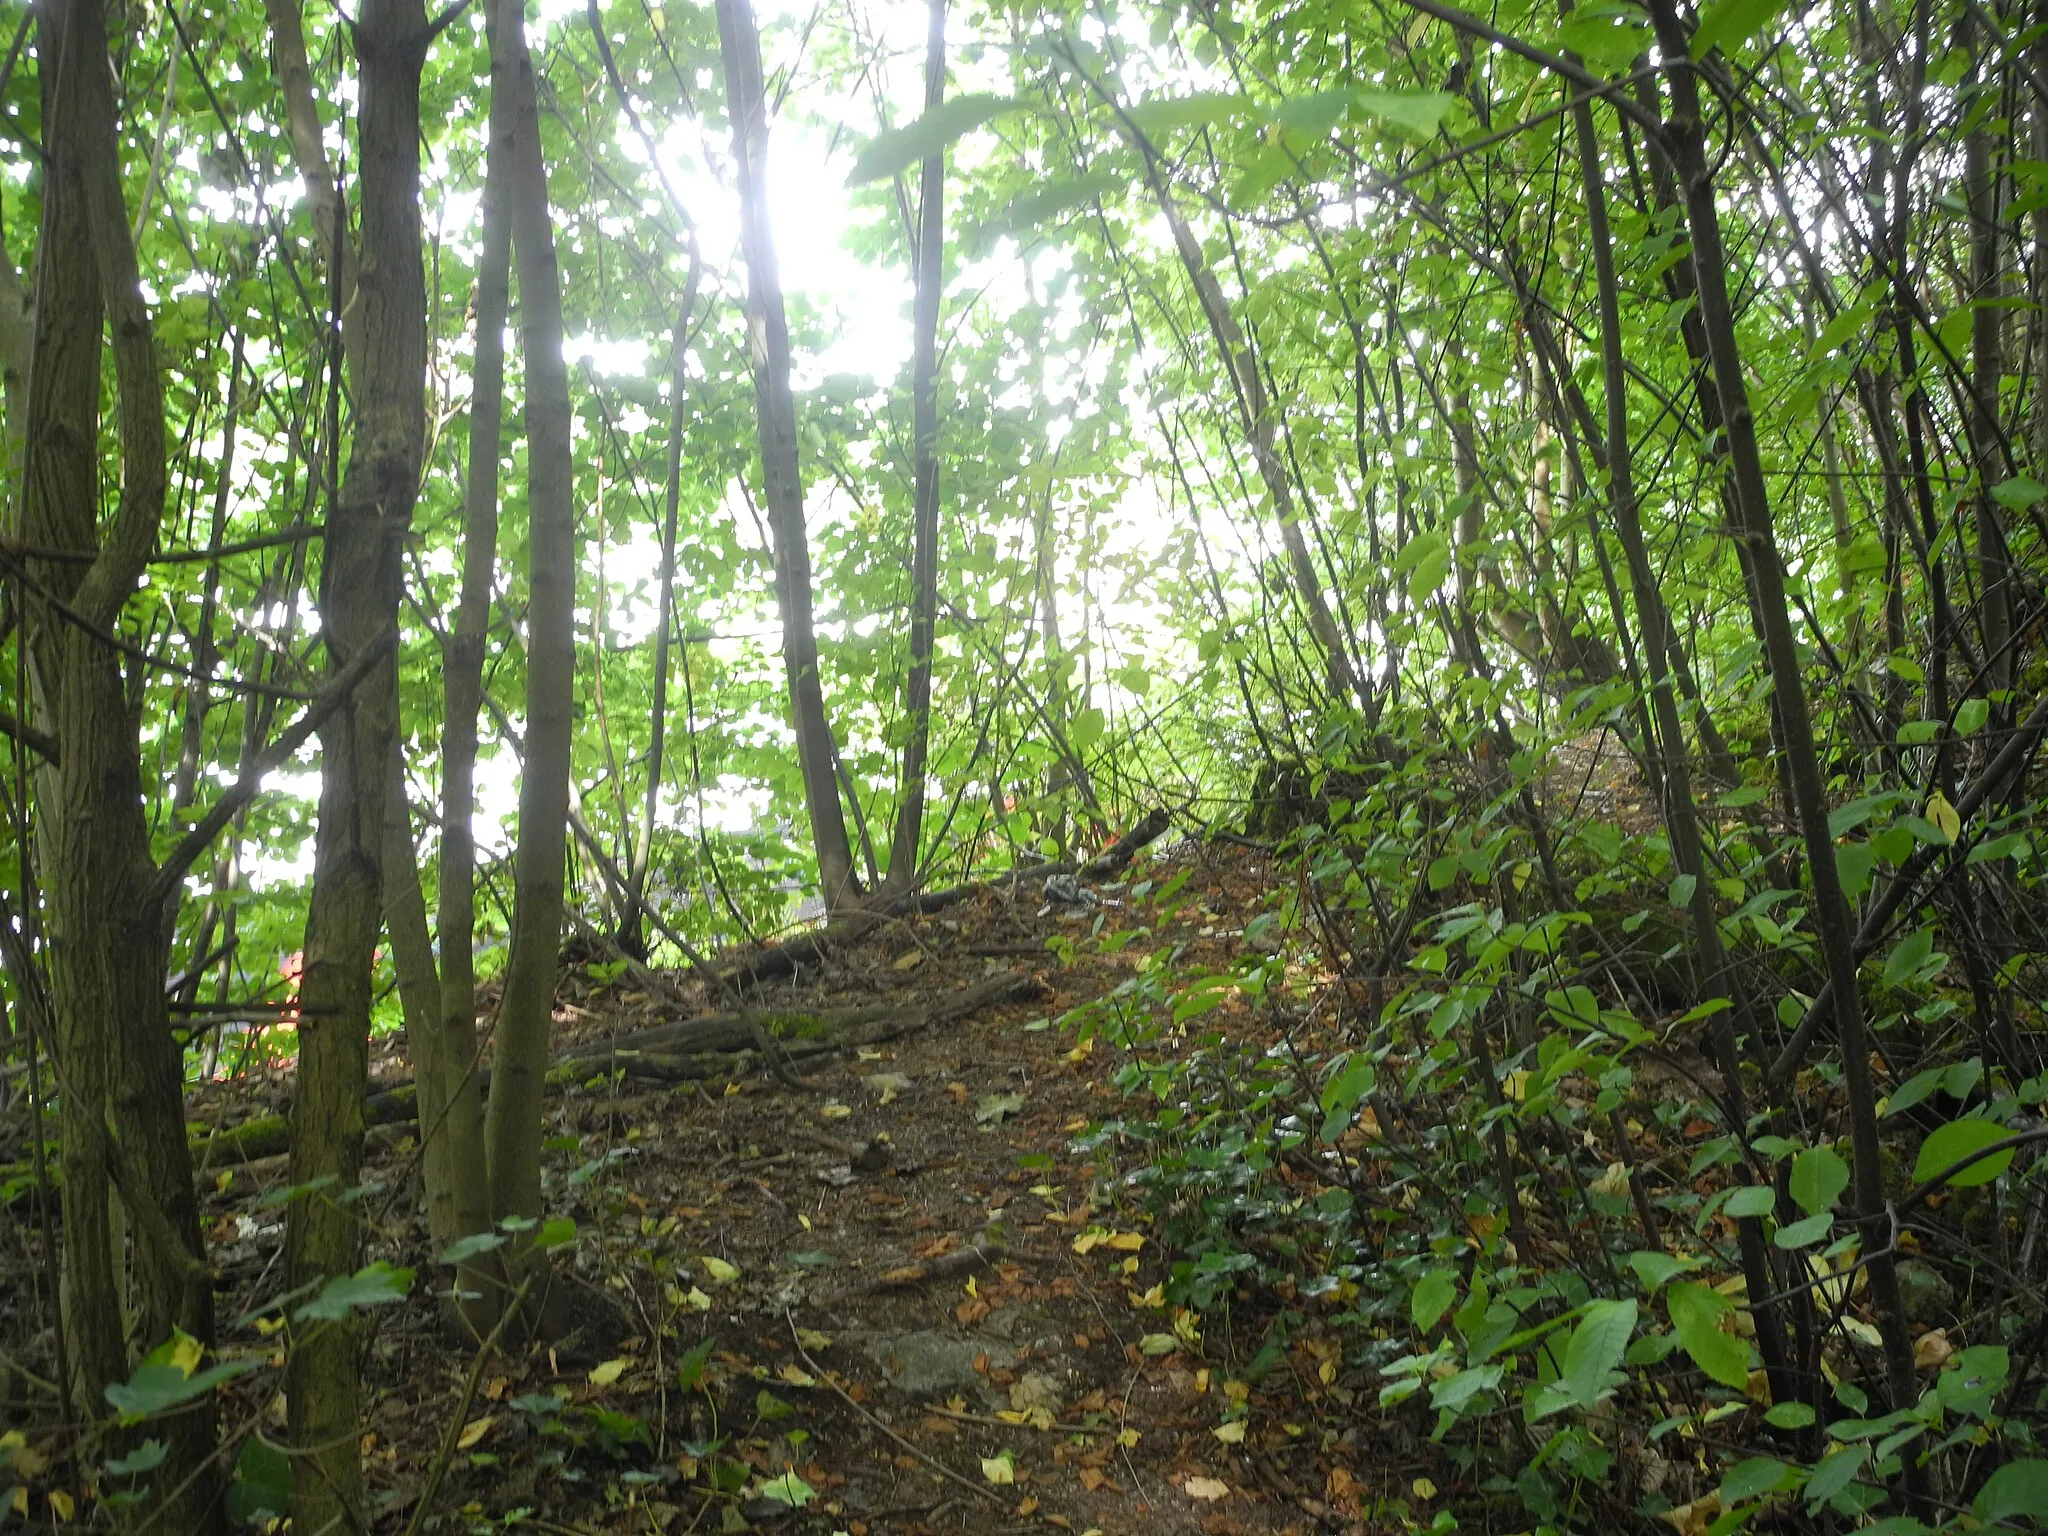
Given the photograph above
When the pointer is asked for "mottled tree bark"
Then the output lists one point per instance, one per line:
(361, 580)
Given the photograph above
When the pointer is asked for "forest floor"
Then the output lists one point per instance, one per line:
(915, 1305)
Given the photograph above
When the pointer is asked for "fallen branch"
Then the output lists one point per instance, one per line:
(714, 1045)
(771, 961)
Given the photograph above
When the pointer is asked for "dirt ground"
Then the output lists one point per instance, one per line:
(896, 1298)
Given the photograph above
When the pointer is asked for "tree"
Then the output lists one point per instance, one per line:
(781, 473)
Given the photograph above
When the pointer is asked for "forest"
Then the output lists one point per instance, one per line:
(1246, 766)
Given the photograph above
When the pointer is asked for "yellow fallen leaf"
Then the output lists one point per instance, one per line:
(697, 1300)
(1128, 1438)
(1613, 1182)
(910, 960)
(811, 1339)
(1013, 1415)
(1932, 1348)
(835, 1111)
(61, 1505)
(1204, 1488)
(1944, 816)
(1515, 1085)
(1423, 1489)
(1151, 1301)
(718, 1270)
(607, 1373)
(1127, 1242)
(474, 1431)
(1081, 1052)
(1231, 1433)
(796, 1375)
(184, 1353)
(1000, 1470)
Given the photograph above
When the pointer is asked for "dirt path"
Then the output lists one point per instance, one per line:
(900, 1299)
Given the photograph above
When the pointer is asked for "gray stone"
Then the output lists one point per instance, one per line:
(928, 1364)
(1928, 1296)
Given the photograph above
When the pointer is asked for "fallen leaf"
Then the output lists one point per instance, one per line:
(1000, 1470)
(473, 1431)
(1231, 1433)
(1127, 1438)
(718, 1271)
(1931, 1349)
(995, 1108)
(607, 1373)
(1157, 1344)
(796, 1375)
(834, 1111)
(888, 1085)
(1423, 1489)
(810, 1338)
(1027, 1506)
(910, 960)
(1204, 1488)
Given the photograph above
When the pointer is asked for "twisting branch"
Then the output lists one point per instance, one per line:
(171, 873)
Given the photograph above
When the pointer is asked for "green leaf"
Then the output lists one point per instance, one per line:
(1050, 201)
(1204, 109)
(1654, 1269)
(464, 1248)
(1818, 1178)
(1427, 560)
(1696, 1314)
(262, 1488)
(1680, 892)
(1749, 1479)
(1956, 1141)
(1728, 24)
(1971, 715)
(1835, 1472)
(146, 1457)
(374, 1285)
(1596, 1348)
(1914, 1089)
(898, 149)
(1417, 113)
(1606, 36)
(1789, 1415)
(1804, 1234)
(2019, 493)
(1906, 958)
(789, 1489)
(1434, 1293)
(557, 1232)
(1085, 729)
(156, 1387)
(1752, 1200)
(1314, 114)
(2015, 1493)
(690, 1369)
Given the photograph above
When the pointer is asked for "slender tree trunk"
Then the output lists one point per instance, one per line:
(781, 472)
(1673, 767)
(512, 1121)
(924, 413)
(455, 1100)
(630, 923)
(361, 580)
(1987, 361)
(1686, 136)
(120, 1073)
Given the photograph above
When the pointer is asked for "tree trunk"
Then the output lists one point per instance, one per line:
(456, 1099)
(924, 415)
(361, 580)
(512, 1122)
(642, 853)
(781, 473)
(120, 1073)
(1686, 135)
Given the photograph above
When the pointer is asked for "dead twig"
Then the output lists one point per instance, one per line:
(845, 1397)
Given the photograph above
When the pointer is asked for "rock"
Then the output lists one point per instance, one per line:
(1928, 1296)
(927, 1363)
(1035, 1389)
